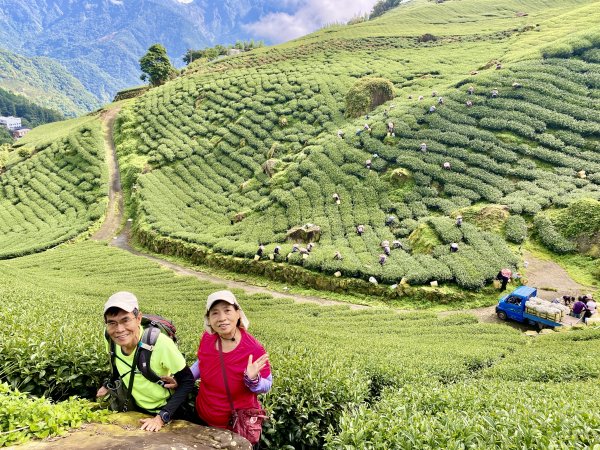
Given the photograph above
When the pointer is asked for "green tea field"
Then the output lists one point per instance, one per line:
(236, 154)
(343, 379)
(400, 162)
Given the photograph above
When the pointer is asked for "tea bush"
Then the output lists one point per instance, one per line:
(341, 377)
(550, 236)
(23, 418)
(366, 94)
(55, 194)
(336, 371)
(427, 415)
(516, 229)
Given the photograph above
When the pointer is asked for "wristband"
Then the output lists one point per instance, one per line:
(165, 416)
(251, 382)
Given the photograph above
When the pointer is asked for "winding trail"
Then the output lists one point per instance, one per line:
(545, 274)
(114, 209)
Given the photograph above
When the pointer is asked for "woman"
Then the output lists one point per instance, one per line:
(590, 307)
(244, 359)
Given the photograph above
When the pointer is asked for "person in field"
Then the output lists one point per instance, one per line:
(226, 346)
(578, 308)
(504, 279)
(123, 321)
(590, 307)
(385, 245)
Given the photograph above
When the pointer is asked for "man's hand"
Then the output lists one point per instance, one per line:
(102, 391)
(170, 382)
(254, 368)
(153, 424)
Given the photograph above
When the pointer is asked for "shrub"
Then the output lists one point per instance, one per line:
(580, 217)
(550, 237)
(366, 94)
(23, 418)
(24, 152)
(516, 229)
(427, 37)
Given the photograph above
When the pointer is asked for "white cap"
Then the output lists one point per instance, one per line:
(225, 296)
(122, 300)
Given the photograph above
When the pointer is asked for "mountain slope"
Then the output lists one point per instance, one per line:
(242, 151)
(52, 188)
(100, 42)
(44, 82)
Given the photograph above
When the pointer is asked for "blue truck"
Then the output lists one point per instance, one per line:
(512, 306)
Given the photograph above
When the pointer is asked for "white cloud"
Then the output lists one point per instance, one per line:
(309, 16)
(184, 1)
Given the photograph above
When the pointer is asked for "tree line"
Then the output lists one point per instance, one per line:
(219, 50)
(157, 68)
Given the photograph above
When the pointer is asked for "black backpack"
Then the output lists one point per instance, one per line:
(153, 326)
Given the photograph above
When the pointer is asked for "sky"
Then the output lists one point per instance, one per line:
(304, 17)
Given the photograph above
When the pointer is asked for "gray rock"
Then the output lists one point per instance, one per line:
(304, 233)
(124, 432)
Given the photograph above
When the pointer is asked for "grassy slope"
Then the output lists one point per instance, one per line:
(460, 381)
(220, 122)
(56, 191)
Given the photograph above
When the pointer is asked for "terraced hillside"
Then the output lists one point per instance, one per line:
(235, 154)
(342, 379)
(53, 187)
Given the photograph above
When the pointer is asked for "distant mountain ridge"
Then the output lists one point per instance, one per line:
(101, 41)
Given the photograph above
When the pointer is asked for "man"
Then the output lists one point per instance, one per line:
(578, 307)
(123, 324)
(504, 279)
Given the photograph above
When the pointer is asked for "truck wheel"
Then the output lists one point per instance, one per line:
(502, 315)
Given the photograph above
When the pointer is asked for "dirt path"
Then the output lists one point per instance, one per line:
(544, 274)
(114, 217)
(551, 279)
(122, 242)
(114, 210)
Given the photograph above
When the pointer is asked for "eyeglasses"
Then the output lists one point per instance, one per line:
(112, 324)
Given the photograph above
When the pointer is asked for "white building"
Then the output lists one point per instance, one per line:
(10, 122)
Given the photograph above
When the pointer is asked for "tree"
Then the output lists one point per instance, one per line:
(4, 148)
(211, 53)
(193, 55)
(5, 136)
(382, 6)
(156, 66)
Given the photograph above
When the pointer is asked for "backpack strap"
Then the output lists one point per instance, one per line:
(144, 353)
(115, 373)
(112, 351)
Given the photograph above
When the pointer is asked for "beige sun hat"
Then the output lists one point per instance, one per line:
(122, 300)
(225, 296)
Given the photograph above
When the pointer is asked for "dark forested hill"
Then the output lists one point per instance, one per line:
(101, 41)
(19, 106)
